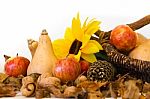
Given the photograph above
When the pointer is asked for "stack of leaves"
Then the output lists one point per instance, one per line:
(9, 85)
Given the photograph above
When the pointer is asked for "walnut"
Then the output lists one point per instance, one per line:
(46, 80)
(70, 91)
(28, 86)
(50, 84)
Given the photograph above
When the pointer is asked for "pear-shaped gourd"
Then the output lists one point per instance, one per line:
(44, 58)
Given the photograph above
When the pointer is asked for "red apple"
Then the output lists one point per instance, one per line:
(15, 66)
(123, 38)
(84, 66)
(67, 69)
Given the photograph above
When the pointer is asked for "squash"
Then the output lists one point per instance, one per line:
(142, 51)
(140, 39)
(32, 45)
(44, 58)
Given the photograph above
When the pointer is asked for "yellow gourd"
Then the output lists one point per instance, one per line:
(44, 58)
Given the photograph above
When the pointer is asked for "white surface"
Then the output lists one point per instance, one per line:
(24, 19)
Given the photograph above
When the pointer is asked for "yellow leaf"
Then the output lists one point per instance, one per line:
(76, 29)
(89, 57)
(69, 35)
(90, 48)
(60, 48)
(97, 44)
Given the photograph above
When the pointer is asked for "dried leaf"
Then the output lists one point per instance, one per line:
(91, 86)
(132, 90)
(143, 97)
(146, 87)
(70, 91)
(95, 95)
(2, 77)
(7, 90)
(147, 95)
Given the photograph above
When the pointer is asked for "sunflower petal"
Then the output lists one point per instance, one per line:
(97, 44)
(92, 27)
(93, 22)
(90, 48)
(60, 50)
(84, 25)
(85, 40)
(91, 30)
(78, 55)
(89, 57)
(69, 35)
(76, 29)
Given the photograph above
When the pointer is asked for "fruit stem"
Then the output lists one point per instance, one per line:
(17, 55)
(6, 57)
(44, 32)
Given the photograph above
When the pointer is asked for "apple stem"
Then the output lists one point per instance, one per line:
(6, 57)
(44, 32)
(17, 55)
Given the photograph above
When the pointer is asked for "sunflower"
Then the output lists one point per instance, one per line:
(82, 35)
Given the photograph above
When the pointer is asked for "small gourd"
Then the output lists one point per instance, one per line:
(141, 52)
(44, 58)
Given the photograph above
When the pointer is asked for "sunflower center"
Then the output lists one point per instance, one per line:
(75, 47)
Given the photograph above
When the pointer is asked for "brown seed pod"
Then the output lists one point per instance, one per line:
(138, 68)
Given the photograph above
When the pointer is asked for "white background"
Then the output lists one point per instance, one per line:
(24, 19)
